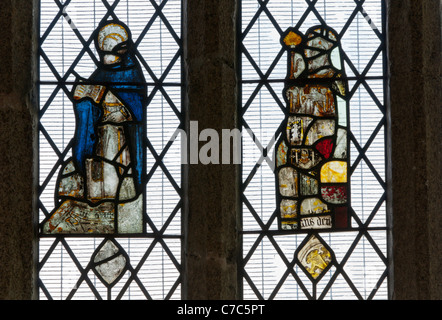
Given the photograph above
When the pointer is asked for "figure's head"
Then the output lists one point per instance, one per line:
(112, 41)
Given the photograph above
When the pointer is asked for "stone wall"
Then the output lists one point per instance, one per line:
(415, 94)
(17, 132)
(211, 225)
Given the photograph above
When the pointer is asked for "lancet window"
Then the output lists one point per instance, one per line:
(110, 195)
(313, 100)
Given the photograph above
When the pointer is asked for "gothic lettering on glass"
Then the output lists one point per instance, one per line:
(99, 189)
(311, 154)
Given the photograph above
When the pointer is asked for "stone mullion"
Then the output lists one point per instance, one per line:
(211, 246)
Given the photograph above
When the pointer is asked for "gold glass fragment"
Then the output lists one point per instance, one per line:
(314, 257)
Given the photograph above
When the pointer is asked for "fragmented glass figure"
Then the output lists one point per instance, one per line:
(311, 154)
(100, 188)
(315, 257)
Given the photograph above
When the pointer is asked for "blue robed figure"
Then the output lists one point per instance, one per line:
(100, 187)
(120, 74)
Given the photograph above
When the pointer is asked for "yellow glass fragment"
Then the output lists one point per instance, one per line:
(313, 205)
(314, 257)
(282, 154)
(334, 171)
(292, 39)
(288, 208)
(318, 260)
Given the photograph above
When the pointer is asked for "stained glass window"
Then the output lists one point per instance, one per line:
(312, 107)
(311, 154)
(110, 86)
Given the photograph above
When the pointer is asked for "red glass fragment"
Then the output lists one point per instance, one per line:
(325, 147)
(334, 194)
(341, 217)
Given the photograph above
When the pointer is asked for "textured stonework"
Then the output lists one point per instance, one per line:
(415, 61)
(212, 189)
(16, 152)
